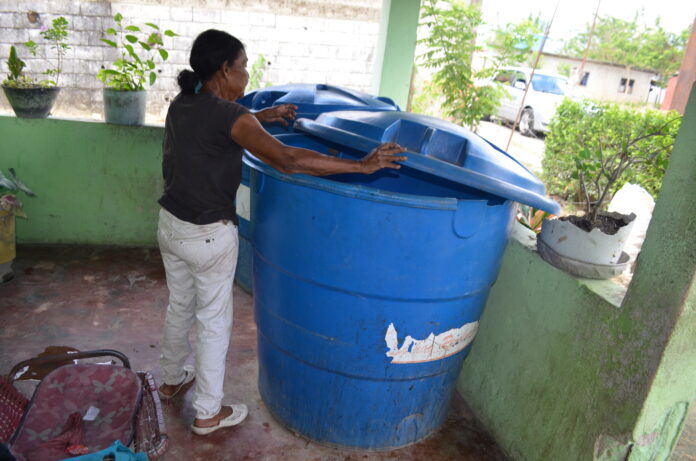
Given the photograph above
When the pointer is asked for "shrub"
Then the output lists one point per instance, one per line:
(607, 133)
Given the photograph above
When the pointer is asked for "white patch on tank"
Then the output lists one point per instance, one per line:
(431, 348)
(243, 202)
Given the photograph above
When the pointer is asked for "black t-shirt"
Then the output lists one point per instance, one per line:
(201, 164)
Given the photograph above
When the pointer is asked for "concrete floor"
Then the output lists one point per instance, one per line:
(92, 298)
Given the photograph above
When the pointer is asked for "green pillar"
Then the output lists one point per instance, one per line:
(396, 49)
(558, 372)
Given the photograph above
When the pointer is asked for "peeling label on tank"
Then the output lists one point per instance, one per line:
(243, 203)
(434, 347)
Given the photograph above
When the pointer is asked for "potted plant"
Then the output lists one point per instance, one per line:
(124, 95)
(29, 97)
(591, 245)
(10, 206)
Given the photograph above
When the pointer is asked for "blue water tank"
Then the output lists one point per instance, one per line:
(311, 101)
(368, 289)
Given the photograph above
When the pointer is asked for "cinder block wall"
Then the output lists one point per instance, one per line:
(303, 41)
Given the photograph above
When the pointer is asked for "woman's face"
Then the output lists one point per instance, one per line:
(236, 77)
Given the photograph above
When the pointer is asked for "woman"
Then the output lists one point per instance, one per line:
(205, 135)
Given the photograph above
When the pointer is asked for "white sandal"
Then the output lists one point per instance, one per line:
(239, 413)
(190, 375)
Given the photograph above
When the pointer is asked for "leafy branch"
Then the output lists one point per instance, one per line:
(57, 36)
(450, 45)
(598, 171)
(131, 71)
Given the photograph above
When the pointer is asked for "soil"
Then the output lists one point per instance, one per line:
(609, 223)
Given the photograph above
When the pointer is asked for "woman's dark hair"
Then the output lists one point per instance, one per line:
(210, 51)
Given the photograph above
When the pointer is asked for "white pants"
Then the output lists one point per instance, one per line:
(199, 262)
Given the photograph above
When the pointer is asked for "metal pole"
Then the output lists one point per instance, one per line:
(589, 42)
(531, 77)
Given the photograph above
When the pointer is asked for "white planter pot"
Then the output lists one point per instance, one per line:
(568, 240)
(593, 254)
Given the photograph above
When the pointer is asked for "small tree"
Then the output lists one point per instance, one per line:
(598, 170)
(451, 44)
(594, 148)
(57, 36)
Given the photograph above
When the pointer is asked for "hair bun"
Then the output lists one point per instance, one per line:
(188, 80)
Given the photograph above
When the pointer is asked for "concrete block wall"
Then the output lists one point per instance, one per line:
(604, 79)
(303, 41)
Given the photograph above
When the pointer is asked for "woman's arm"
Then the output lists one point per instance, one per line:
(248, 133)
(280, 114)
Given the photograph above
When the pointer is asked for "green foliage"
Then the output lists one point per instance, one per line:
(592, 149)
(450, 44)
(136, 64)
(426, 99)
(15, 65)
(564, 69)
(57, 37)
(10, 186)
(629, 44)
(256, 73)
(532, 218)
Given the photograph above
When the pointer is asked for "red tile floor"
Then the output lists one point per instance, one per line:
(92, 298)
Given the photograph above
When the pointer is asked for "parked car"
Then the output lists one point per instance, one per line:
(545, 94)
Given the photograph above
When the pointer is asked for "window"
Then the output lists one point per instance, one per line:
(584, 79)
(504, 77)
(626, 86)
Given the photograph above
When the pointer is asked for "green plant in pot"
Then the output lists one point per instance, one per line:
(10, 207)
(591, 244)
(139, 51)
(31, 97)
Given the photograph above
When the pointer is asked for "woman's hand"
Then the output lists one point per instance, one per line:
(383, 156)
(248, 133)
(280, 114)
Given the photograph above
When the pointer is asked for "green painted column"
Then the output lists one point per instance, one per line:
(660, 306)
(560, 372)
(396, 49)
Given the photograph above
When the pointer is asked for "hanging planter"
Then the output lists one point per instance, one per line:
(124, 107)
(31, 102)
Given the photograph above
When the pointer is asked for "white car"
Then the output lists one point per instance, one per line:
(545, 94)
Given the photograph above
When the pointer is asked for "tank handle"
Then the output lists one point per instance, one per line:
(469, 217)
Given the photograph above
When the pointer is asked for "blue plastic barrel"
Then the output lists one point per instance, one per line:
(368, 289)
(311, 101)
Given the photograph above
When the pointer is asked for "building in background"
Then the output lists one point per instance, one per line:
(604, 81)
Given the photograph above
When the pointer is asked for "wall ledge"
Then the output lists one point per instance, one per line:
(610, 290)
(65, 118)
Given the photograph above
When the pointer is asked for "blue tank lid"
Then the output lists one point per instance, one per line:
(315, 98)
(435, 147)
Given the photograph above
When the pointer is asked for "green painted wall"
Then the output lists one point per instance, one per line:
(96, 183)
(557, 372)
(396, 49)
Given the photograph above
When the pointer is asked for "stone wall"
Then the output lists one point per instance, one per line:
(303, 41)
